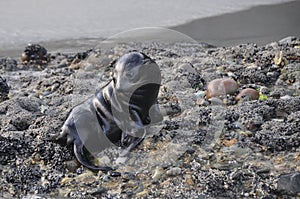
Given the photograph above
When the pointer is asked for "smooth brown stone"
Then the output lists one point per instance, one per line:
(222, 86)
(249, 93)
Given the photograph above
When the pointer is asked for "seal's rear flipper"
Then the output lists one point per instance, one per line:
(79, 153)
(65, 134)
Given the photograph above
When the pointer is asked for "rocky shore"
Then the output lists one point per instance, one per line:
(218, 146)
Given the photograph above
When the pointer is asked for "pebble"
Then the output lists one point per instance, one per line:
(279, 59)
(86, 178)
(174, 171)
(157, 173)
(72, 165)
(200, 94)
(287, 40)
(8, 64)
(186, 68)
(285, 97)
(222, 86)
(247, 94)
(229, 143)
(65, 180)
(142, 193)
(289, 183)
(202, 102)
(216, 101)
(115, 174)
(126, 176)
(104, 160)
(189, 180)
(4, 90)
(62, 64)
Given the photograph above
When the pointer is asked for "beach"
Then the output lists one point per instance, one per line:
(219, 146)
(233, 91)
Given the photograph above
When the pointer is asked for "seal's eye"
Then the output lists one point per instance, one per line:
(129, 74)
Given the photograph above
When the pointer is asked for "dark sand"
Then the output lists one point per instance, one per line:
(260, 25)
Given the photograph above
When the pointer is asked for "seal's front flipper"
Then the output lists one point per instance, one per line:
(155, 114)
(132, 142)
(170, 110)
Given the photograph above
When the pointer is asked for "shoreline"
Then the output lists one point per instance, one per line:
(260, 24)
(222, 30)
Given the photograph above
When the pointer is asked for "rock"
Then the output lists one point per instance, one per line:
(87, 178)
(229, 143)
(21, 123)
(65, 180)
(186, 68)
(72, 165)
(126, 176)
(157, 174)
(29, 104)
(63, 63)
(4, 90)
(202, 102)
(174, 171)
(200, 94)
(222, 86)
(289, 183)
(115, 174)
(189, 180)
(216, 101)
(8, 64)
(34, 53)
(287, 40)
(279, 59)
(247, 94)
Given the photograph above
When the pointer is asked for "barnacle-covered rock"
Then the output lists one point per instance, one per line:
(34, 54)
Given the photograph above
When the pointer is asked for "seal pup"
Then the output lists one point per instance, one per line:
(118, 113)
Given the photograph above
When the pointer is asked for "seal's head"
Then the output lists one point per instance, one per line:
(136, 83)
(134, 70)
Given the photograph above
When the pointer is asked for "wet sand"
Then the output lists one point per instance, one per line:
(260, 25)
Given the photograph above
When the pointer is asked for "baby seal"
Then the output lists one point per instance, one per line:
(118, 113)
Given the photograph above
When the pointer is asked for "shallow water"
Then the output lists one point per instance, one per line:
(27, 21)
